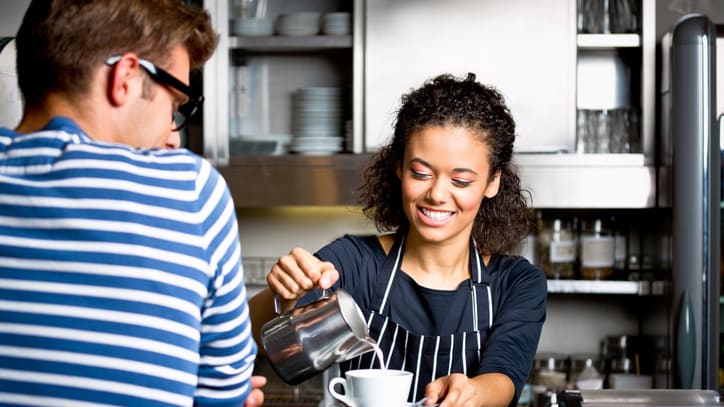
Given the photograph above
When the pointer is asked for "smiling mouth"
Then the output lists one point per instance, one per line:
(436, 215)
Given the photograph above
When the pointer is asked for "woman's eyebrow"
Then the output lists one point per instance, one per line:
(457, 170)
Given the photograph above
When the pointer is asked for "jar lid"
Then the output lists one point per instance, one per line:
(550, 361)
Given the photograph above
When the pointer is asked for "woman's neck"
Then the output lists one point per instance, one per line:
(437, 265)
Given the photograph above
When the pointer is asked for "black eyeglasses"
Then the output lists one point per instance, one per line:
(184, 112)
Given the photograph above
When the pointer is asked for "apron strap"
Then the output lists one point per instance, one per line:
(387, 275)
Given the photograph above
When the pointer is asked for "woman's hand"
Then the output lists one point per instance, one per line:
(298, 272)
(458, 390)
(454, 391)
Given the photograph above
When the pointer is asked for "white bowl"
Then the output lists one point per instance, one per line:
(299, 24)
(252, 27)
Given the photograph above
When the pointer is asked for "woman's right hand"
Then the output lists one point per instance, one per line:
(298, 272)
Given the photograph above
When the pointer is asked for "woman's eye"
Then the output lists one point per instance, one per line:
(418, 174)
(462, 183)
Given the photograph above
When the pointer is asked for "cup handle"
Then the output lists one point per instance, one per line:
(341, 397)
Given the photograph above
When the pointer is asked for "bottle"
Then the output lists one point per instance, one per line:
(597, 251)
(620, 236)
(557, 249)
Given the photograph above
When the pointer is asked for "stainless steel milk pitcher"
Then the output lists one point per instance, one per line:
(307, 340)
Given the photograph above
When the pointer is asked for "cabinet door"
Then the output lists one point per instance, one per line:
(524, 48)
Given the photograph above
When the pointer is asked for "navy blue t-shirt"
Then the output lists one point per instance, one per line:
(519, 303)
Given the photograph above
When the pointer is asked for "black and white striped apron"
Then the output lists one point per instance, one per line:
(427, 357)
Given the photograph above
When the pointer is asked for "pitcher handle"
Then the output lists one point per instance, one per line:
(341, 397)
(278, 301)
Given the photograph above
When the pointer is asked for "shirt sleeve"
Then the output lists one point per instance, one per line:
(357, 259)
(519, 298)
(227, 348)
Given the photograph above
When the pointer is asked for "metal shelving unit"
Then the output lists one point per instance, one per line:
(287, 43)
(606, 41)
(640, 288)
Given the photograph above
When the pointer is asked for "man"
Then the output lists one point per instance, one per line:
(120, 265)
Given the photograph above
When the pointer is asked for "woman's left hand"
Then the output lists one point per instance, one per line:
(455, 390)
(458, 390)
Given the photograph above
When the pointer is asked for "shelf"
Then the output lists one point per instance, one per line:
(607, 287)
(530, 158)
(588, 180)
(555, 181)
(290, 180)
(279, 43)
(608, 41)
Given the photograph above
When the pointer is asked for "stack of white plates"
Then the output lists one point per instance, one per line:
(318, 121)
(317, 145)
(339, 23)
(299, 24)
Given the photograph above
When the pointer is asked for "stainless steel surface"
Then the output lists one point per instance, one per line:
(588, 180)
(279, 65)
(641, 398)
(696, 197)
(358, 74)
(555, 180)
(216, 86)
(306, 341)
(605, 287)
(580, 182)
(265, 181)
(289, 43)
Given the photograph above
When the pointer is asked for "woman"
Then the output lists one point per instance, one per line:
(442, 297)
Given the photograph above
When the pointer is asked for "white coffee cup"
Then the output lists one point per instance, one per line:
(373, 388)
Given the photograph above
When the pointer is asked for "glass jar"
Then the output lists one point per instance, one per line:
(550, 371)
(585, 373)
(557, 249)
(597, 251)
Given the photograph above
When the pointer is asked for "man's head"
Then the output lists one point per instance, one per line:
(63, 43)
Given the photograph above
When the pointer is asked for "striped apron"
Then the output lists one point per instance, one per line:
(427, 357)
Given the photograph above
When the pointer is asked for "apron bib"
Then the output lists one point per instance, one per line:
(427, 357)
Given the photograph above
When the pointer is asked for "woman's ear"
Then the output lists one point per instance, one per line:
(493, 186)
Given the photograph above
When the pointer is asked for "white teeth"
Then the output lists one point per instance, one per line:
(436, 215)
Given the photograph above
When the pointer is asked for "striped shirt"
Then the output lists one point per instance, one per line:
(120, 276)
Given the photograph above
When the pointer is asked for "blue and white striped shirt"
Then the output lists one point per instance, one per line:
(120, 276)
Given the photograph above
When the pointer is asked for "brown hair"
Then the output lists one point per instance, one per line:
(61, 42)
(502, 221)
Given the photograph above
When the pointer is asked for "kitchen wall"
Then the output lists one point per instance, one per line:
(11, 14)
(271, 232)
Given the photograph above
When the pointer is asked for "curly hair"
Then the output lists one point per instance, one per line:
(502, 221)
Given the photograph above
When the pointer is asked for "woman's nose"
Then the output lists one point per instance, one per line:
(438, 191)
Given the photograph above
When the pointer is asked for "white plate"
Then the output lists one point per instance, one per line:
(316, 149)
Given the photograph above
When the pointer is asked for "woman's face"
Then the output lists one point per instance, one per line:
(445, 176)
